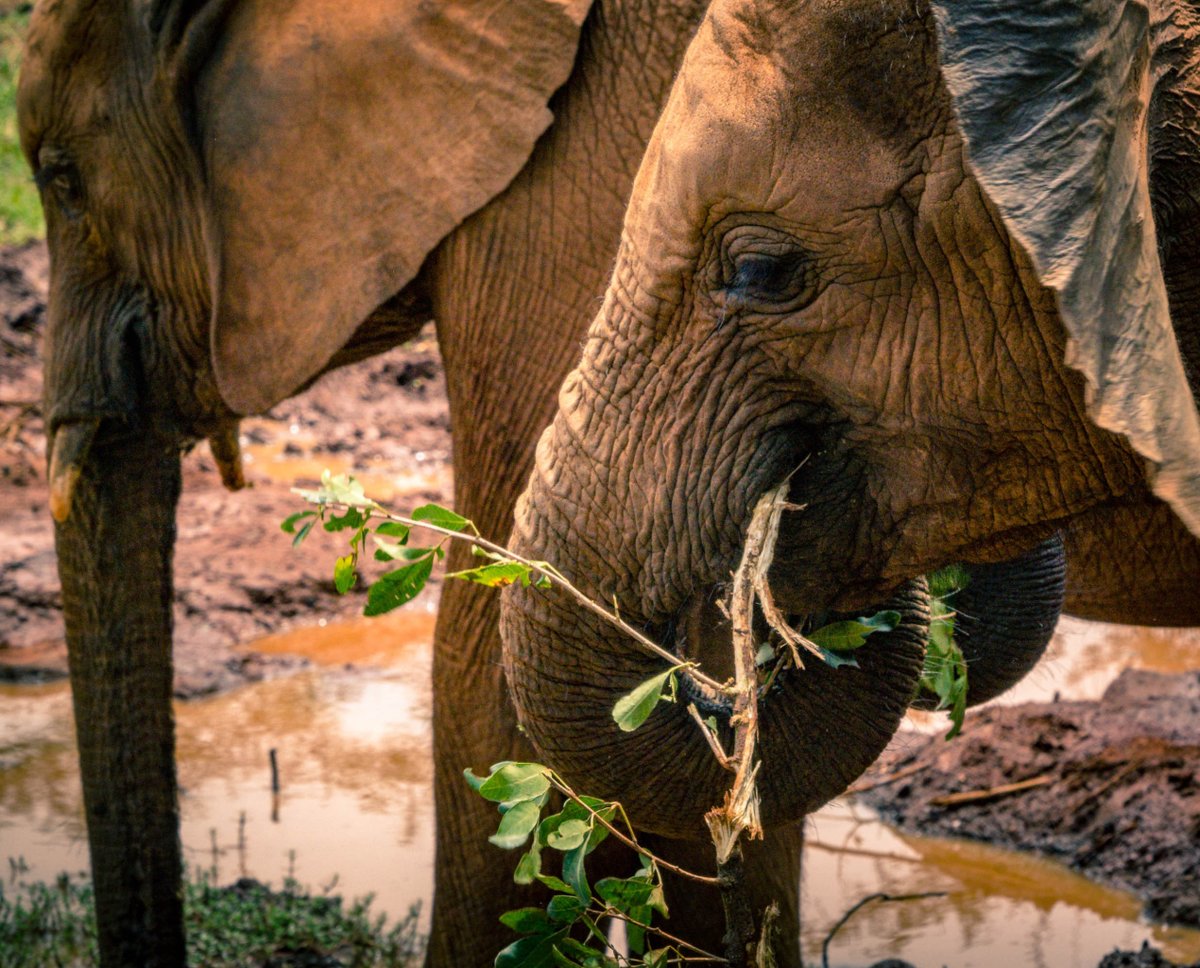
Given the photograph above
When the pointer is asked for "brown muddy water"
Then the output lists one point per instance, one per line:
(355, 810)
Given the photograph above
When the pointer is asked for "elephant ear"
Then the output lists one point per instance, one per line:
(1052, 97)
(342, 141)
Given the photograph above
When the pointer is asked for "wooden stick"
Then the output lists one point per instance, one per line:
(863, 787)
(991, 793)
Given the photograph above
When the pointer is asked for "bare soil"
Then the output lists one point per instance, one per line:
(1112, 787)
(237, 577)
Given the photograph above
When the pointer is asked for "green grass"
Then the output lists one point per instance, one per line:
(245, 926)
(20, 209)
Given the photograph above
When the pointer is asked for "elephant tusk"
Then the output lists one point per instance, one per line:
(227, 452)
(71, 445)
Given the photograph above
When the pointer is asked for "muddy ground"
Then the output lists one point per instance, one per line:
(1110, 788)
(237, 576)
(1118, 794)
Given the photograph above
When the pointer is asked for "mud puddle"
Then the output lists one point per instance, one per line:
(355, 812)
(355, 808)
(1002, 909)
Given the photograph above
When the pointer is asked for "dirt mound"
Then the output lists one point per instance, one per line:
(1147, 957)
(237, 577)
(1111, 788)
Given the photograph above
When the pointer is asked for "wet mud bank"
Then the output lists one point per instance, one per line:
(237, 578)
(1110, 788)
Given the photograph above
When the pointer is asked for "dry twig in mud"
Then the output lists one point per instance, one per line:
(991, 793)
(888, 778)
(886, 898)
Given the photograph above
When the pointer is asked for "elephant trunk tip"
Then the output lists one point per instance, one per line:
(70, 449)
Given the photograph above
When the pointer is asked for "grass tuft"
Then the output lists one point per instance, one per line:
(245, 925)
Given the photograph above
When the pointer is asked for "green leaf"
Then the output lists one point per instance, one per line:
(337, 489)
(473, 780)
(574, 873)
(398, 587)
(289, 523)
(958, 709)
(587, 956)
(564, 908)
(393, 529)
(528, 920)
(579, 812)
(353, 518)
(625, 893)
(529, 866)
(568, 835)
(657, 959)
(497, 574)
(536, 951)
(852, 634)
(392, 551)
(944, 583)
(515, 781)
(835, 660)
(573, 954)
(303, 532)
(555, 884)
(344, 575)
(442, 517)
(516, 825)
(635, 707)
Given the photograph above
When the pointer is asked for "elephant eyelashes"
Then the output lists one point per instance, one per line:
(765, 272)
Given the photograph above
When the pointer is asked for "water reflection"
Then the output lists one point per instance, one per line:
(356, 803)
(1002, 908)
(354, 759)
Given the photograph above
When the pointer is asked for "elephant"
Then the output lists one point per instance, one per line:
(929, 265)
(244, 194)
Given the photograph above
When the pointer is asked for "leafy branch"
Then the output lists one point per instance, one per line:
(523, 790)
(401, 586)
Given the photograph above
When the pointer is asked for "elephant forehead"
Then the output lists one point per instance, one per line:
(782, 108)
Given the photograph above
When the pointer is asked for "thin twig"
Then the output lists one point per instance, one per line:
(552, 573)
(863, 903)
(859, 852)
(563, 788)
(885, 780)
(611, 912)
(721, 756)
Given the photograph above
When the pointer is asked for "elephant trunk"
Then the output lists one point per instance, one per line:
(1006, 615)
(820, 726)
(115, 541)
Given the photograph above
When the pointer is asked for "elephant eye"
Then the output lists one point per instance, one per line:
(765, 276)
(764, 270)
(59, 178)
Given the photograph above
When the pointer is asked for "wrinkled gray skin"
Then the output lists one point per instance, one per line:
(113, 126)
(812, 282)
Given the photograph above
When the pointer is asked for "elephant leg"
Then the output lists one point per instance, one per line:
(772, 872)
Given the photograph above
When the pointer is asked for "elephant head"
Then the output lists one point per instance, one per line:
(238, 196)
(862, 249)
